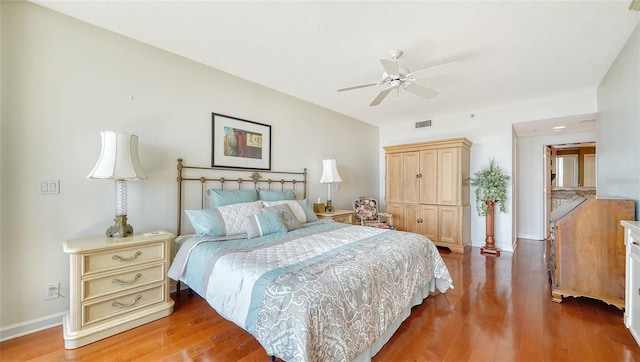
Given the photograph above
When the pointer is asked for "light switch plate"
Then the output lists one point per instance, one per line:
(48, 187)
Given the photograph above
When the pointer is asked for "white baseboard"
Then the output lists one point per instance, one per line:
(35, 325)
(530, 237)
(31, 326)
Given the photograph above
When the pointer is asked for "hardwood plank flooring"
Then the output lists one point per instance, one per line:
(500, 310)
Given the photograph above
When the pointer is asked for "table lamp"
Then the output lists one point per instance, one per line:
(329, 175)
(119, 161)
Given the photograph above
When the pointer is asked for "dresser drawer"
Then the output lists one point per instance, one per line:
(116, 282)
(121, 304)
(115, 259)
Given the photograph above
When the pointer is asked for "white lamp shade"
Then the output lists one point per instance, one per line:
(330, 172)
(118, 158)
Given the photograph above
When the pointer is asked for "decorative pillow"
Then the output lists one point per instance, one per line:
(205, 222)
(218, 198)
(300, 208)
(264, 224)
(222, 221)
(288, 217)
(269, 195)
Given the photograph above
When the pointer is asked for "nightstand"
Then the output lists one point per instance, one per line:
(116, 284)
(343, 216)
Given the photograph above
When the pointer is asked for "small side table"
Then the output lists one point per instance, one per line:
(343, 216)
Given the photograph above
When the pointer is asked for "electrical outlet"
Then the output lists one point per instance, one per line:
(51, 291)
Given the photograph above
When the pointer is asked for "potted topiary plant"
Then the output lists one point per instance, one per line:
(491, 188)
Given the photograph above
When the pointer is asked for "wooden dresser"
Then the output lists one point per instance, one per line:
(586, 251)
(427, 190)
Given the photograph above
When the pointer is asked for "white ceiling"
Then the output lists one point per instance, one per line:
(509, 51)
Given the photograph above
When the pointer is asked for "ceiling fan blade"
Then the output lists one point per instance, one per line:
(381, 96)
(357, 87)
(390, 67)
(437, 70)
(420, 90)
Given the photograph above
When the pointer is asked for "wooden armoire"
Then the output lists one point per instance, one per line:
(427, 190)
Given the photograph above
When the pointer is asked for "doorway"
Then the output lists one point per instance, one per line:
(570, 172)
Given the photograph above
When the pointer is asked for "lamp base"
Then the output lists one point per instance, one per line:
(329, 207)
(120, 229)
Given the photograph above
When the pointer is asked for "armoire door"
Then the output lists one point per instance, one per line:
(448, 176)
(394, 182)
(449, 224)
(397, 213)
(429, 177)
(411, 174)
(429, 222)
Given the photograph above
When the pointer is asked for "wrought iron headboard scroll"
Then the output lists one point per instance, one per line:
(246, 176)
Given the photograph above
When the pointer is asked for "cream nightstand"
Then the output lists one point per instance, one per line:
(343, 216)
(116, 284)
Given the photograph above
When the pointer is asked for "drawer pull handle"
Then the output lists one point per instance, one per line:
(120, 305)
(635, 243)
(119, 258)
(124, 282)
(638, 291)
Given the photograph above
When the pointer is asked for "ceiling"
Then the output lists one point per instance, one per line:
(509, 51)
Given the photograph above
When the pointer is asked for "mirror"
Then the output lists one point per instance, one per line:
(567, 171)
(573, 166)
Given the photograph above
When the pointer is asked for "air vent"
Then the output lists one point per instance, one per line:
(422, 124)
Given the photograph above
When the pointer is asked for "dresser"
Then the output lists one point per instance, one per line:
(343, 216)
(632, 290)
(427, 190)
(116, 284)
(586, 251)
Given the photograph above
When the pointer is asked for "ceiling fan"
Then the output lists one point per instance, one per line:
(396, 77)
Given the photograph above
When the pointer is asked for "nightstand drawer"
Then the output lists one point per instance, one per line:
(114, 259)
(342, 216)
(133, 278)
(122, 304)
(345, 219)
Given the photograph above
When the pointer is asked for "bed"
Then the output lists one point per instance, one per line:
(307, 290)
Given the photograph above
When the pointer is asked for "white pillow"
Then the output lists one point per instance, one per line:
(300, 208)
(224, 220)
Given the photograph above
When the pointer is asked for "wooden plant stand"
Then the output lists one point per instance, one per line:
(490, 242)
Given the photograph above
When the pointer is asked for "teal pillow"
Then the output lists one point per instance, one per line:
(264, 224)
(219, 198)
(308, 210)
(205, 222)
(270, 195)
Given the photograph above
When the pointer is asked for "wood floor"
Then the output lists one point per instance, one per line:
(500, 310)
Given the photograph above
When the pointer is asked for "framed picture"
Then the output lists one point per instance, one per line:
(238, 143)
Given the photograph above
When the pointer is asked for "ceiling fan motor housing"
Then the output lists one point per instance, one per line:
(402, 76)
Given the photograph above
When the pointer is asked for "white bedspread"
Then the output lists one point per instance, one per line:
(322, 293)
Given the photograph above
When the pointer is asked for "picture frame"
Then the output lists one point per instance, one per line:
(239, 143)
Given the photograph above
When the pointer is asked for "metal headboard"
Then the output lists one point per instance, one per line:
(235, 179)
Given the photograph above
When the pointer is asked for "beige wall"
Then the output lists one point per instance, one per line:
(618, 141)
(64, 81)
